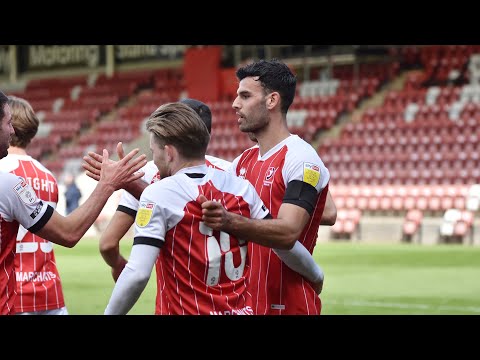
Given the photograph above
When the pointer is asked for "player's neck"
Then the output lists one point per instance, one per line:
(13, 150)
(271, 136)
(182, 164)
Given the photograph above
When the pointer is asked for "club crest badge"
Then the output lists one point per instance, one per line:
(269, 174)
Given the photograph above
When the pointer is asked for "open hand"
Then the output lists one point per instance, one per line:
(93, 162)
(119, 173)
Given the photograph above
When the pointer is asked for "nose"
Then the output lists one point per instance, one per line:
(235, 104)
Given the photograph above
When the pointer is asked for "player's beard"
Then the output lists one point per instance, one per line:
(161, 164)
(255, 122)
(164, 171)
(4, 149)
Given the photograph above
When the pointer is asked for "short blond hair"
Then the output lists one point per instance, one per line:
(179, 125)
(24, 121)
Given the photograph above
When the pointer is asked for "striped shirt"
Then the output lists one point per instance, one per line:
(129, 204)
(275, 288)
(39, 286)
(19, 205)
(203, 271)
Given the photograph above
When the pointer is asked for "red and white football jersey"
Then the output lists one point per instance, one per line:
(152, 175)
(129, 204)
(275, 288)
(201, 271)
(38, 281)
(19, 204)
(161, 305)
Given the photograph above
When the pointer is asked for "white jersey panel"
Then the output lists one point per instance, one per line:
(220, 163)
(311, 170)
(19, 202)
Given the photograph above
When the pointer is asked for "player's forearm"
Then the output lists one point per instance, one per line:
(83, 217)
(112, 256)
(110, 239)
(127, 290)
(273, 233)
(132, 280)
(329, 215)
(67, 231)
(136, 188)
(301, 261)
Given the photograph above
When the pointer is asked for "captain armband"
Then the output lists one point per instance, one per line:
(301, 194)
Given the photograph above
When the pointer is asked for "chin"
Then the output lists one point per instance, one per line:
(245, 129)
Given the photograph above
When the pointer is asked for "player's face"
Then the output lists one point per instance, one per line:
(159, 156)
(6, 131)
(250, 106)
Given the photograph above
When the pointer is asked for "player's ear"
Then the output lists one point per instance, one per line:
(170, 152)
(273, 99)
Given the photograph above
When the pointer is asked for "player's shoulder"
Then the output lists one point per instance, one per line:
(296, 142)
(150, 170)
(159, 188)
(7, 178)
(299, 148)
(9, 163)
(149, 166)
(218, 162)
(11, 184)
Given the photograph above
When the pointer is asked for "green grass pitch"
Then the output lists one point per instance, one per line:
(360, 279)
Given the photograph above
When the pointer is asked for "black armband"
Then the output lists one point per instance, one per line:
(41, 222)
(127, 210)
(301, 194)
(143, 240)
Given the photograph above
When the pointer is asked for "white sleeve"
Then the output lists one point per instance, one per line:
(305, 165)
(133, 279)
(219, 163)
(128, 200)
(301, 261)
(18, 201)
(258, 210)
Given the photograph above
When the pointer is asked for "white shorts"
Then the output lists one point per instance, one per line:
(61, 311)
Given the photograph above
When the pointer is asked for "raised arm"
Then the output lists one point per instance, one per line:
(67, 231)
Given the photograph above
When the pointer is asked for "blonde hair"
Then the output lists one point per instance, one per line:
(179, 125)
(24, 121)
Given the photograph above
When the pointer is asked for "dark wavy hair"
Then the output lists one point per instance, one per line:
(273, 75)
